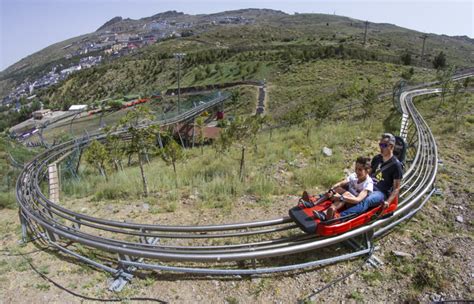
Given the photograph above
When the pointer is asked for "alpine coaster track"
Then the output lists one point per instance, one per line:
(193, 249)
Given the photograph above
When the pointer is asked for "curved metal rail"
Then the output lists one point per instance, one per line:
(146, 246)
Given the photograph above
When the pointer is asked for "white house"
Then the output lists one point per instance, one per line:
(78, 108)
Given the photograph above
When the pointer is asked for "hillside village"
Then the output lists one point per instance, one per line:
(110, 43)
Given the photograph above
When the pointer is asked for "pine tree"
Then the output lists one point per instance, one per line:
(406, 58)
(439, 62)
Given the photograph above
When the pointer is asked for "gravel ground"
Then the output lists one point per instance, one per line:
(420, 263)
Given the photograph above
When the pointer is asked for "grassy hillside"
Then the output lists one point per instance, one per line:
(271, 38)
(156, 69)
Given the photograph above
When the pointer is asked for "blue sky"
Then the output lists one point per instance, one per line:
(27, 26)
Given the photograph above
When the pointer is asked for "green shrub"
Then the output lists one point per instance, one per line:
(231, 300)
(357, 296)
(171, 207)
(111, 193)
(470, 118)
(469, 144)
(427, 275)
(8, 200)
(373, 278)
(406, 58)
(439, 62)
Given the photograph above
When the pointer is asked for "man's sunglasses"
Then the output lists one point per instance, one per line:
(383, 145)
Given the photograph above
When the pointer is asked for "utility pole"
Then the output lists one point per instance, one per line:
(423, 48)
(179, 56)
(365, 34)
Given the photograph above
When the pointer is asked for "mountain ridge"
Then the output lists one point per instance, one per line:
(329, 29)
(110, 22)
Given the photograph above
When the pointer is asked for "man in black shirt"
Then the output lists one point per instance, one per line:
(387, 174)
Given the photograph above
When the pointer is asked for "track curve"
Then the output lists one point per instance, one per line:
(137, 244)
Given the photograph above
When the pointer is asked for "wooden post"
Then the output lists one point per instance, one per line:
(242, 160)
(53, 183)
